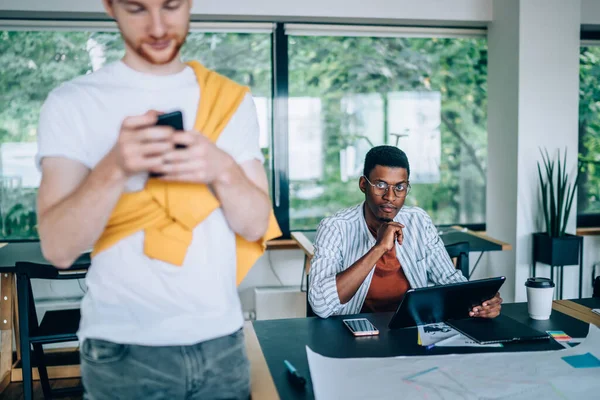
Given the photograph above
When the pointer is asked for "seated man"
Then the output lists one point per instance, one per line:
(368, 256)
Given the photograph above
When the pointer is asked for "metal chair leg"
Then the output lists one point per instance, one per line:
(562, 274)
(38, 353)
(23, 296)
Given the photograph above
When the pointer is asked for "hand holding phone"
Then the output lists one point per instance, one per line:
(361, 327)
(140, 145)
(202, 161)
(174, 120)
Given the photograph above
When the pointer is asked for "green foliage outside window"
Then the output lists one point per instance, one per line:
(34, 63)
(588, 198)
(331, 68)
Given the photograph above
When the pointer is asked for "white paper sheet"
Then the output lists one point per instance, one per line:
(521, 376)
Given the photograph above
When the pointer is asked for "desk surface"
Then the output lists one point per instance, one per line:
(28, 251)
(477, 241)
(592, 302)
(580, 309)
(286, 340)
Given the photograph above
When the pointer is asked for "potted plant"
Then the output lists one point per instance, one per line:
(554, 246)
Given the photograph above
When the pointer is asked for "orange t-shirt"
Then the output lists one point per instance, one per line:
(388, 285)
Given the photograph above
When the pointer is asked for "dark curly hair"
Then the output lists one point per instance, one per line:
(386, 156)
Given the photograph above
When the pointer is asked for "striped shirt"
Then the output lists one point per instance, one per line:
(344, 238)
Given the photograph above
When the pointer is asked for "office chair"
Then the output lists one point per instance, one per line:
(56, 326)
(595, 282)
(460, 251)
(309, 310)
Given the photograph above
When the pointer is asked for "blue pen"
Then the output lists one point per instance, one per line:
(293, 374)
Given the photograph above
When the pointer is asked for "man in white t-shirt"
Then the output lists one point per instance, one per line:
(150, 329)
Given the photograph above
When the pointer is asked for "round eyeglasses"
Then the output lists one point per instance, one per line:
(380, 188)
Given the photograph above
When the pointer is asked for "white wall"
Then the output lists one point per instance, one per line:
(590, 12)
(287, 264)
(503, 115)
(455, 10)
(533, 101)
(422, 10)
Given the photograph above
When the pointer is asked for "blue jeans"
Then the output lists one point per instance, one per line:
(215, 369)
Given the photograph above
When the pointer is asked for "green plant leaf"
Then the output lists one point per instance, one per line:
(543, 188)
(570, 197)
(557, 191)
(550, 172)
(560, 191)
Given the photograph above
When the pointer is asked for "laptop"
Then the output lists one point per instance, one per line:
(434, 304)
(496, 330)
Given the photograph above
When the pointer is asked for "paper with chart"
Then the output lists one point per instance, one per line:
(572, 373)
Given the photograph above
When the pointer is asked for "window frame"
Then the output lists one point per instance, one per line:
(327, 29)
(588, 38)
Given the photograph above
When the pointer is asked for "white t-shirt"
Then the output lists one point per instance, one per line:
(132, 298)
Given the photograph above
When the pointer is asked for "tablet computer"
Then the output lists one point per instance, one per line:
(433, 304)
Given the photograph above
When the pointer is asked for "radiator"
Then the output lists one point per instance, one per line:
(279, 302)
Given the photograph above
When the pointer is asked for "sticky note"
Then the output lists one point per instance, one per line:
(587, 360)
(559, 336)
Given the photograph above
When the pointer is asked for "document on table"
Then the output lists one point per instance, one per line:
(572, 373)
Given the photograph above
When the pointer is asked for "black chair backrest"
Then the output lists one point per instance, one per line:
(460, 251)
(309, 310)
(57, 326)
(596, 282)
(47, 271)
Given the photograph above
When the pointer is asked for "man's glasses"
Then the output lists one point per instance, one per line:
(381, 188)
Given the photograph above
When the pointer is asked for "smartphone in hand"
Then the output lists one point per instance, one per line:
(174, 120)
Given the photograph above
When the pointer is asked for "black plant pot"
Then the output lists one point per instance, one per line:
(562, 250)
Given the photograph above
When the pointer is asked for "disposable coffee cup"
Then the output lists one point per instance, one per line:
(540, 292)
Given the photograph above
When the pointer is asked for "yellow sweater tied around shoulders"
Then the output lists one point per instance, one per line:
(168, 212)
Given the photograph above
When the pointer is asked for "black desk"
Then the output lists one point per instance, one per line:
(477, 242)
(592, 302)
(29, 252)
(286, 340)
(580, 309)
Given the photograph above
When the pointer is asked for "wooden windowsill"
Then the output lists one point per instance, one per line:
(592, 231)
(282, 244)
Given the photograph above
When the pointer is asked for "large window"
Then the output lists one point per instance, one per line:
(428, 96)
(588, 197)
(32, 63)
(345, 94)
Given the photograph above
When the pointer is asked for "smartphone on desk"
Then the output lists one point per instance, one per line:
(361, 327)
(174, 120)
